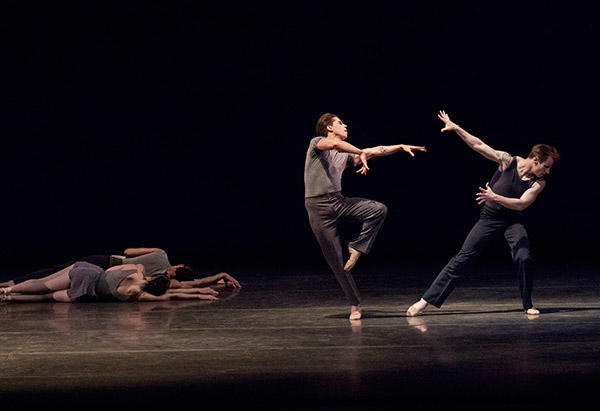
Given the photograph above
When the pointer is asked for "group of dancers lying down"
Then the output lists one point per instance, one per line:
(515, 185)
(142, 274)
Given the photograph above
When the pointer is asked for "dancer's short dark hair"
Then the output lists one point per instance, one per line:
(322, 123)
(184, 273)
(157, 285)
(543, 151)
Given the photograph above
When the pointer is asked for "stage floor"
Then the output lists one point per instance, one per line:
(284, 342)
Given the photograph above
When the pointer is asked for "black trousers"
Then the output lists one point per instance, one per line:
(485, 229)
(325, 213)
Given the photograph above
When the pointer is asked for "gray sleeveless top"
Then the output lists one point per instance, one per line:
(154, 263)
(109, 281)
(323, 169)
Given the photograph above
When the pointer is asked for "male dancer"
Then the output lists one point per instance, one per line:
(327, 157)
(514, 187)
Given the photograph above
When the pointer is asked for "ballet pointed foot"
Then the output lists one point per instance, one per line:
(417, 308)
(354, 254)
(532, 311)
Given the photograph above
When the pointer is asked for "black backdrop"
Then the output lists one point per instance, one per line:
(184, 126)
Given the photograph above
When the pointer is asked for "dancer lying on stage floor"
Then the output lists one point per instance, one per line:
(514, 187)
(155, 262)
(327, 157)
(85, 282)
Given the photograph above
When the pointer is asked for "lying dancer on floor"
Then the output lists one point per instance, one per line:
(327, 157)
(155, 262)
(514, 187)
(85, 282)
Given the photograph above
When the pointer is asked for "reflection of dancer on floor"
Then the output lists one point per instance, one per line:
(326, 159)
(85, 282)
(514, 187)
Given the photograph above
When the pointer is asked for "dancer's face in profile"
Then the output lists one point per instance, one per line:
(540, 169)
(338, 128)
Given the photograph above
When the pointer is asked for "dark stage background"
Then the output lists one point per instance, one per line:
(184, 126)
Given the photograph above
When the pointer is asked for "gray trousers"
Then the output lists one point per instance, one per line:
(516, 236)
(325, 213)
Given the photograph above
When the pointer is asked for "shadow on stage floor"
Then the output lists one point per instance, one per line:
(284, 342)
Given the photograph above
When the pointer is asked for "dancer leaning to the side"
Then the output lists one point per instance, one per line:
(327, 157)
(514, 187)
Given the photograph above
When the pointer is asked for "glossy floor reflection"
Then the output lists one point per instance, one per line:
(284, 342)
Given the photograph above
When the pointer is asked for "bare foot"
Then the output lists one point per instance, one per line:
(532, 311)
(354, 254)
(355, 312)
(417, 308)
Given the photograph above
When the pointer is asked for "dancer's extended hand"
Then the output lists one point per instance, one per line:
(409, 149)
(448, 124)
(484, 194)
(230, 281)
(363, 159)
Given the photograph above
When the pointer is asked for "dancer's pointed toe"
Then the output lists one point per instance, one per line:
(354, 255)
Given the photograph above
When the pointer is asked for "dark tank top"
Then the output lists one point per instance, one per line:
(109, 281)
(506, 183)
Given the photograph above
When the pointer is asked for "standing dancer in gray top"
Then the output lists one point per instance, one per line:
(327, 157)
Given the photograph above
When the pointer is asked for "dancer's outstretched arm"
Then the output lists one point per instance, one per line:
(380, 151)
(500, 157)
(193, 290)
(518, 204)
(225, 278)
